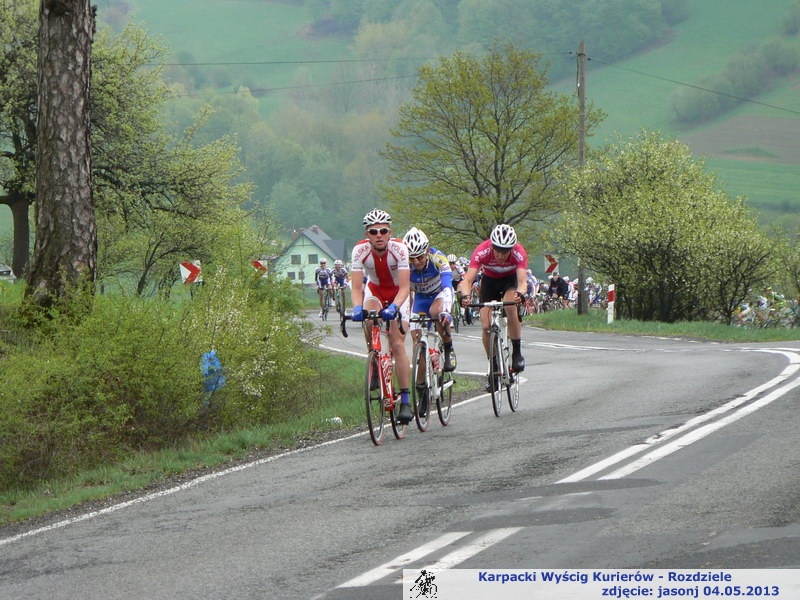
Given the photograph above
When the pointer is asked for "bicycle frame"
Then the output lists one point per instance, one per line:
(428, 355)
(383, 398)
(499, 371)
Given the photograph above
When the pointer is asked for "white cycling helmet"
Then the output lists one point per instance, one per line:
(451, 258)
(416, 241)
(375, 216)
(504, 236)
(338, 263)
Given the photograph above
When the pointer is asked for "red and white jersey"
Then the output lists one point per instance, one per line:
(380, 271)
(484, 257)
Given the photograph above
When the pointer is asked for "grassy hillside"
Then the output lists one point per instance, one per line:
(752, 150)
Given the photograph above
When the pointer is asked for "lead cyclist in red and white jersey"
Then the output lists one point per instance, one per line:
(381, 262)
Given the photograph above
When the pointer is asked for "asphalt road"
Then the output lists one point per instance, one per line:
(626, 453)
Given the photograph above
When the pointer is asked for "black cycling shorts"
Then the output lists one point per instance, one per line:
(494, 288)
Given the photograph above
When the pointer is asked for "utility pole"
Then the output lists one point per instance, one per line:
(583, 300)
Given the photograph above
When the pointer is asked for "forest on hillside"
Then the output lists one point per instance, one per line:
(315, 157)
(312, 147)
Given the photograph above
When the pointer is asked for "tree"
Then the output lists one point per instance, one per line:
(65, 255)
(158, 197)
(647, 216)
(18, 39)
(481, 144)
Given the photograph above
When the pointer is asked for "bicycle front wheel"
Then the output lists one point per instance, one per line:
(495, 370)
(420, 385)
(512, 391)
(444, 402)
(340, 301)
(372, 395)
(399, 429)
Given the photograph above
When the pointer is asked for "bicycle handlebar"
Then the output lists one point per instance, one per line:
(495, 305)
(491, 304)
(374, 316)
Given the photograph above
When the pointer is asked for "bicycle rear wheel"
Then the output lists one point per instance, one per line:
(495, 360)
(456, 316)
(375, 416)
(421, 392)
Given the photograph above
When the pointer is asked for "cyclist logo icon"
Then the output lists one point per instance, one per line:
(424, 586)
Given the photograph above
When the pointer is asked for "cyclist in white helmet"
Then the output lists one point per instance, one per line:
(504, 264)
(433, 289)
(379, 277)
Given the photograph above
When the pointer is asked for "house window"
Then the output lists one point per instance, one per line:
(302, 275)
(290, 275)
(296, 260)
(313, 259)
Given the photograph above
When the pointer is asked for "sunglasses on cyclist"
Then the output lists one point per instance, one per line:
(382, 231)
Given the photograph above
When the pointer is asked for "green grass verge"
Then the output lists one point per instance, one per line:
(597, 320)
(340, 386)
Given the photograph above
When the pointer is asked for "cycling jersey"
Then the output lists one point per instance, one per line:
(381, 271)
(435, 276)
(484, 257)
(340, 276)
(458, 273)
(323, 277)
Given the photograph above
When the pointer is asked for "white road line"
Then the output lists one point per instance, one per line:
(474, 547)
(170, 491)
(403, 560)
(648, 444)
(698, 434)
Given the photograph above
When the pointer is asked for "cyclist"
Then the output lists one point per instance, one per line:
(339, 274)
(533, 284)
(323, 277)
(431, 281)
(456, 269)
(457, 272)
(559, 289)
(386, 287)
(505, 277)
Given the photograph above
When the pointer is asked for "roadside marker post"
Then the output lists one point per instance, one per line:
(612, 297)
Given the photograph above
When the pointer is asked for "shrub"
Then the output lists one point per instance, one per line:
(118, 380)
(126, 376)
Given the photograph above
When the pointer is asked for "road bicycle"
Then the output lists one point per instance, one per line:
(430, 382)
(381, 392)
(327, 302)
(501, 380)
(339, 293)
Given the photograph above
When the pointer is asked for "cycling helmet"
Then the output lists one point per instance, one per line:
(416, 241)
(323, 261)
(451, 258)
(338, 263)
(375, 216)
(504, 236)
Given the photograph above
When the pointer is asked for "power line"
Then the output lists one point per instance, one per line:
(298, 87)
(283, 62)
(697, 87)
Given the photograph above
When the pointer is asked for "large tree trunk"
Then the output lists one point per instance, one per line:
(65, 254)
